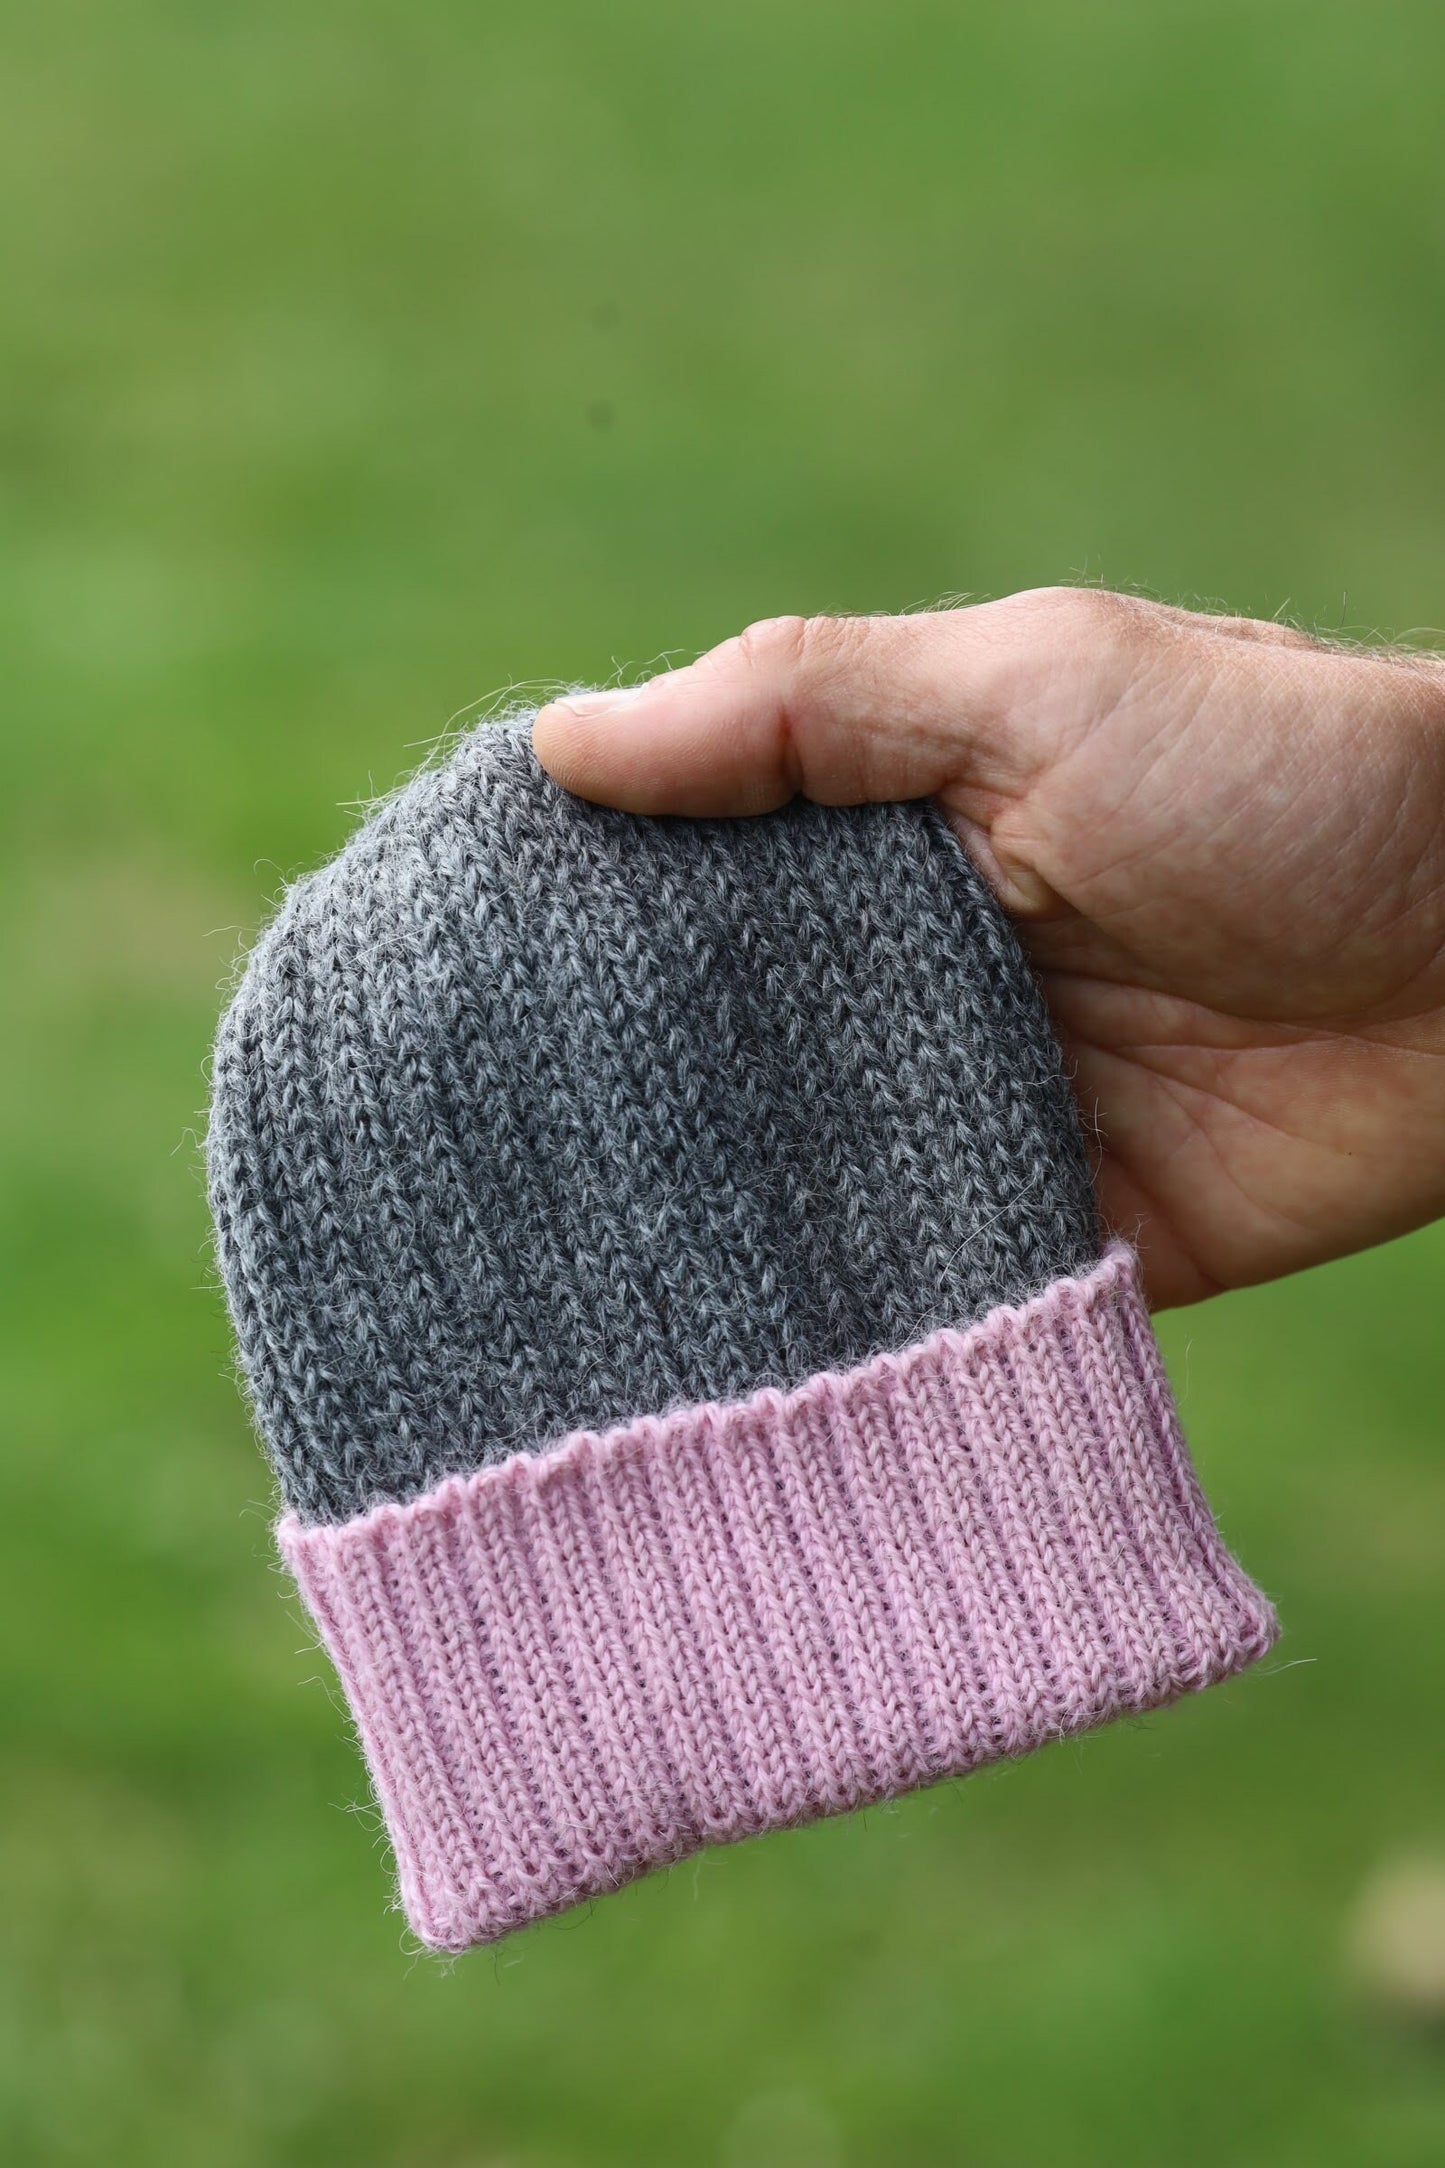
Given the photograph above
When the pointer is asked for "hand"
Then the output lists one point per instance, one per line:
(1224, 846)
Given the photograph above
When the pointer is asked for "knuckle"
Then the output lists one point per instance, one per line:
(774, 643)
(1093, 616)
(801, 647)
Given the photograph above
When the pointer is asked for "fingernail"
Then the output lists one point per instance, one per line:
(617, 696)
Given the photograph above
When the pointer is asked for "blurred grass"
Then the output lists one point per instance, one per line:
(359, 361)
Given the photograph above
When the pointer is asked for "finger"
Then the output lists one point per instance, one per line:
(844, 710)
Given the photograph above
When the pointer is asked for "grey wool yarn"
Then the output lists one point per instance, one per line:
(529, 1114)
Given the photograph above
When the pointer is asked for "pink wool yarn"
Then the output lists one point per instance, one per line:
(587, 1662)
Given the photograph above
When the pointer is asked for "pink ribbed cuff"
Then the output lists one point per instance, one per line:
(590, 1661)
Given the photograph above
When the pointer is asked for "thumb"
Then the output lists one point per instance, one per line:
(844, 710)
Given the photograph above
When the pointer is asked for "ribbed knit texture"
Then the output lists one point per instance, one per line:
(666, 1274)
(581, 1666)
(529, 1115)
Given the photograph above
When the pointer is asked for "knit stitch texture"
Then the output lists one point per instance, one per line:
(530, 1115)
(666, 1274)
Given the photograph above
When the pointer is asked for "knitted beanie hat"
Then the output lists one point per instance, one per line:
(665, 1268)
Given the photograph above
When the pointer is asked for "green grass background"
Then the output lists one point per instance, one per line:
(359, 361)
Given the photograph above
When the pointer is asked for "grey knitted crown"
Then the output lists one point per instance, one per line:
(530, 1115)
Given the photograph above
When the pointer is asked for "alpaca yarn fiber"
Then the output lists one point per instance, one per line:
(666, 1275)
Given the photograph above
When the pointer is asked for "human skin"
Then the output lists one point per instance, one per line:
(1222, 842)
